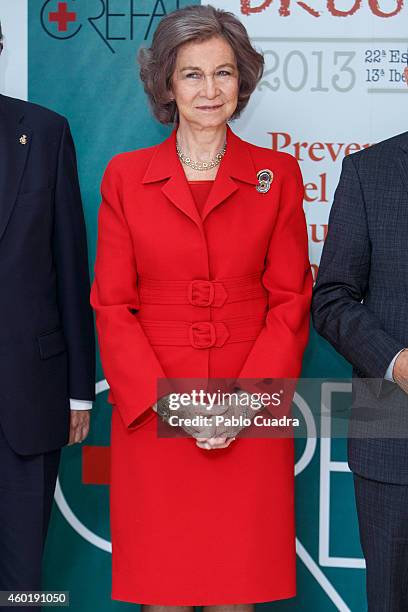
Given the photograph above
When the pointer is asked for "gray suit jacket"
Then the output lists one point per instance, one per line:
(360, 301)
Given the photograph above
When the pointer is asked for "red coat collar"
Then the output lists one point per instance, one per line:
(237, 163)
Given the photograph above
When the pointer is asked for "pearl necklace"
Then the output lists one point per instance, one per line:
(201, 165)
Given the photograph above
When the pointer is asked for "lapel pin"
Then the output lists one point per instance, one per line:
(23, 139)
(265, 178)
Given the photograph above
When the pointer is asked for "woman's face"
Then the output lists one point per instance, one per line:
(205, 82)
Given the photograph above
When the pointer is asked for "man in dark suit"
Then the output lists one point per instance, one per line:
(47, 369)
(360, 306)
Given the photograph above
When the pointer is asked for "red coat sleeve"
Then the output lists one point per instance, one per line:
(129, 362)
(278, 350)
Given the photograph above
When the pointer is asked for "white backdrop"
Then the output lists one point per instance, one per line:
(13, 61)
(330, 82)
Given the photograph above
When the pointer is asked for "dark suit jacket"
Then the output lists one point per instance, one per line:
(46, 325)
(360, 302)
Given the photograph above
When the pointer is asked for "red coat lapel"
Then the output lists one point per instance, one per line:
(237, 163)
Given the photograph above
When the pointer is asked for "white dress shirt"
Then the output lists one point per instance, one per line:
(75, 404)
(388, 374)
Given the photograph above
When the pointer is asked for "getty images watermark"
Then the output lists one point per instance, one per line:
(225, 407)
(365, 408)
(234, 404)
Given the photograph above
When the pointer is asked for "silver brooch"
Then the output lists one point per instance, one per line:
(265, 178)
(23, 139)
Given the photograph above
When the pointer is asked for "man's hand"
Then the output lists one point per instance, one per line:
(400, 371)
(79, 428)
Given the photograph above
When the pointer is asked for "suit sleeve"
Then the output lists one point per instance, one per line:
(130, 364)
(278, 350)
(338, 309)
(70, 253)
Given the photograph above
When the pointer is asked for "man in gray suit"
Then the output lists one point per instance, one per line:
(360, 305)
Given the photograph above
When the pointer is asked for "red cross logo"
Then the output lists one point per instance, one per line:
(62, 16)
(96, 465)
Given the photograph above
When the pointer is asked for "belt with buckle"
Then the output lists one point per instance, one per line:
(201, 292)
(202, 334)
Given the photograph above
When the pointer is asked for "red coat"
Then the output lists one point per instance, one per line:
(177, 295)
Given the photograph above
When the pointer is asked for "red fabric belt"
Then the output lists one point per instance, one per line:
(201, 292)
(202, 334)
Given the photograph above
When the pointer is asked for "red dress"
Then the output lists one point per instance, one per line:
(200, 191)
(191, 526)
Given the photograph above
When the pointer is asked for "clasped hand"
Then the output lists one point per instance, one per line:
(239, 408)
(212, 432)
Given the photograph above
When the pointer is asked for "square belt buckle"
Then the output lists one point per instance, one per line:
(202, 326)
(203, 284)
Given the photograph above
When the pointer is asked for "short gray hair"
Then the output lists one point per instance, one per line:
(189, 24)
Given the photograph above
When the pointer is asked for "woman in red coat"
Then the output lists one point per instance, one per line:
(202, 272)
